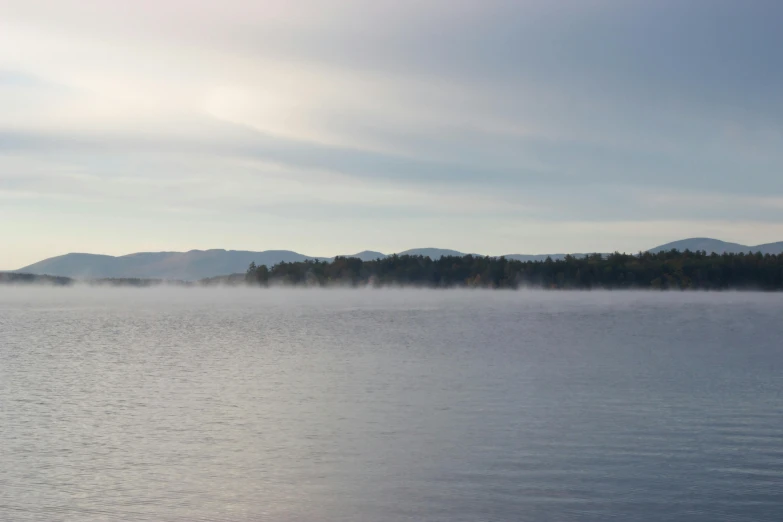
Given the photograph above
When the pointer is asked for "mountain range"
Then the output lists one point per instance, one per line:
(199, 264)
(719, 247)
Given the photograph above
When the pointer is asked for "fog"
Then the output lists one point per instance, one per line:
(283, 296)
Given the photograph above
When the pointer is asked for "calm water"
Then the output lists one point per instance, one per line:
(183, 405)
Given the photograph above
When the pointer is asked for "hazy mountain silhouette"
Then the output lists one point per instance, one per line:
(199, 264)
(367, 255)
(769, 248)
(710, 245)
(192, 265)
(432, 253)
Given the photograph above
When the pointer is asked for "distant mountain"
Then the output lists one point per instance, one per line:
(710, 245)
(367, 255)
(188, 266)
(200, 264)
(432, 253)
(769, 248)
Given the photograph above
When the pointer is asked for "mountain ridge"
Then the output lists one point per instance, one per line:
(199, 264)
(710, 245)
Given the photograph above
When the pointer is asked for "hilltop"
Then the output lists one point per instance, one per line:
(200, 264)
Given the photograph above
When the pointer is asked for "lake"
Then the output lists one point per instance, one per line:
(390, 405)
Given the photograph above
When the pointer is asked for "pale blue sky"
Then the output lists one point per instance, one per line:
(331, 127)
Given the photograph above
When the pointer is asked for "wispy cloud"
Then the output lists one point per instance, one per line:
(475, 117)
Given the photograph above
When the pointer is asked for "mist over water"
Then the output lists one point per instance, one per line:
(174, 404)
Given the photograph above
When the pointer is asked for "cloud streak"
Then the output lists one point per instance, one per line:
(471, 117)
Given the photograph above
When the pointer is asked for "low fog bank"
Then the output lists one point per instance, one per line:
(244, 302)
(239, 283)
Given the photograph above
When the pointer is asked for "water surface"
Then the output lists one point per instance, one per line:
(350, 405)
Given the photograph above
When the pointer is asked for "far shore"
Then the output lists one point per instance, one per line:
(673, 270)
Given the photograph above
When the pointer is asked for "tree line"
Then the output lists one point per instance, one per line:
(673, 270)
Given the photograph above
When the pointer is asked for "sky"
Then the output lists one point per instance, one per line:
(330, 127)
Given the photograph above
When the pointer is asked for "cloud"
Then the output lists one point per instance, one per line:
(509, 114)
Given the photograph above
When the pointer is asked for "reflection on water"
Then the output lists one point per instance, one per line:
(181, 405)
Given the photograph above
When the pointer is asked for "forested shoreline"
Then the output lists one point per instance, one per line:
(672, 270)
